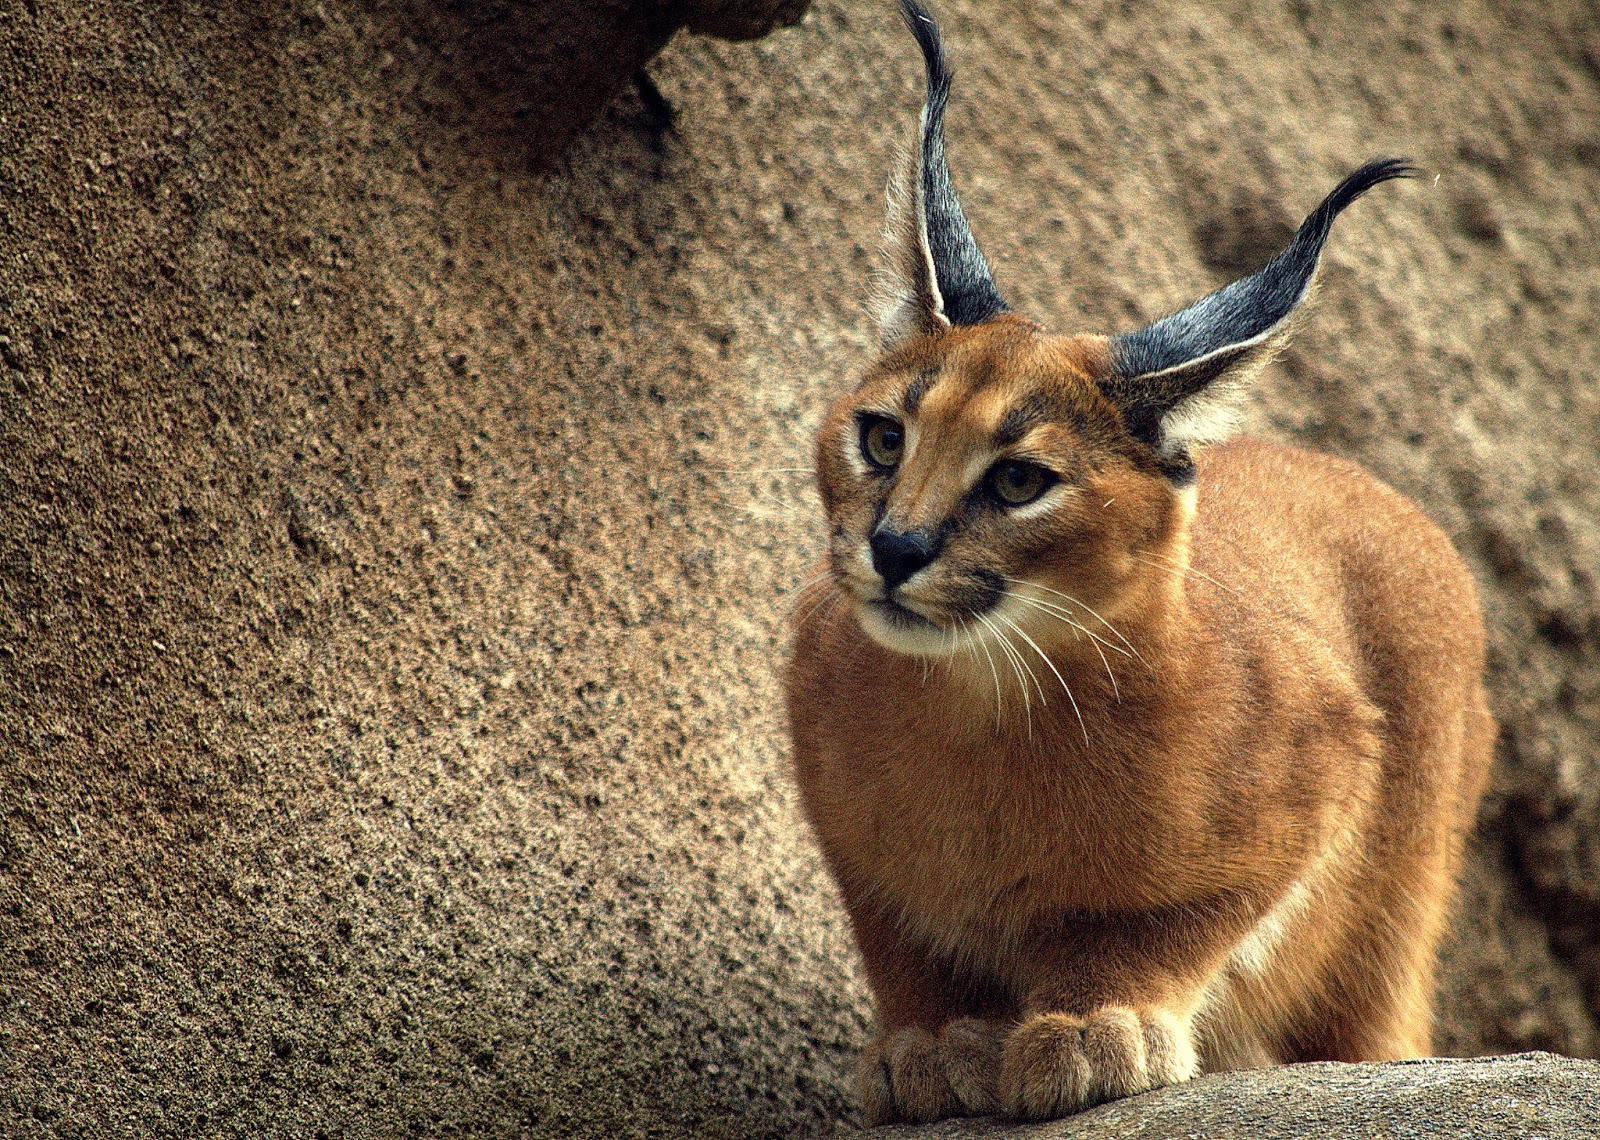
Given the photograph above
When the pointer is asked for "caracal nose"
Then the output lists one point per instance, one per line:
(897, 556)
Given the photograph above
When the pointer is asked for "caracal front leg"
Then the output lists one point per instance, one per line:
(1109, 1007)
(920, 1075)
(937, 1053)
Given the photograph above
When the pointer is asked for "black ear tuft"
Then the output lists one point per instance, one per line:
(967, 289)
(1178, 380)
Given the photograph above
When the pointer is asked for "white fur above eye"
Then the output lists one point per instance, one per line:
(1043, 505)
(850, 448)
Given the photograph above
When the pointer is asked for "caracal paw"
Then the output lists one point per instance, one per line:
(1055, 1064)
(914, 1075)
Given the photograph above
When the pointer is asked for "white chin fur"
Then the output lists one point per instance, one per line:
(913, 640)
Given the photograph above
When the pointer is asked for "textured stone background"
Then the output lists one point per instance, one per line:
(395, 536)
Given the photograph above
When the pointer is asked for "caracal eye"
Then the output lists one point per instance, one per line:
(882, 441)
(1015, 482)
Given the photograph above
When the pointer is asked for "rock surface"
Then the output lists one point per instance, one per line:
(395, 539)
(1530, 1094)
(536, 72)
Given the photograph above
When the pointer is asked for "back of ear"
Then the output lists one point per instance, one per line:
(934, 274)
(1180, 381)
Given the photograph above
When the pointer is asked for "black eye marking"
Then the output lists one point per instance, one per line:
(882, 441)
(1016, 482)
(1017, 423)
(912, 400)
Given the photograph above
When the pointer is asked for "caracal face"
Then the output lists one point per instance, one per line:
(980, 488)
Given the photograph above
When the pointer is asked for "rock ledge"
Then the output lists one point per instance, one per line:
(1527, 1094)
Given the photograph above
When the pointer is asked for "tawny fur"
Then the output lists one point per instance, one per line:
(1234, 844)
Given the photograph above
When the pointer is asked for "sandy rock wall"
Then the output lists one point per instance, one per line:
(395, 536)
(536, 72)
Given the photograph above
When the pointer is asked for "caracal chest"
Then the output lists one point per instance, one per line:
(963, 836)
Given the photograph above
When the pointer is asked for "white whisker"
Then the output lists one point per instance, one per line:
(804, 618)
(1023, 661)
(1115, 692)
(1179, 569)
(808, 583)
(825, 580)
(837, 598)
(1011, 657)
(759, 470)
(1034, 677)
(1094, 640)
(760, 512)
(830, 599)
(995, 673)
(1115, 632)
(1066, 615)
(784, 503)
(1043, 656)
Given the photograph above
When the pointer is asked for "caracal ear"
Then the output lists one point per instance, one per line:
(1180, 382)
(933, 274)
